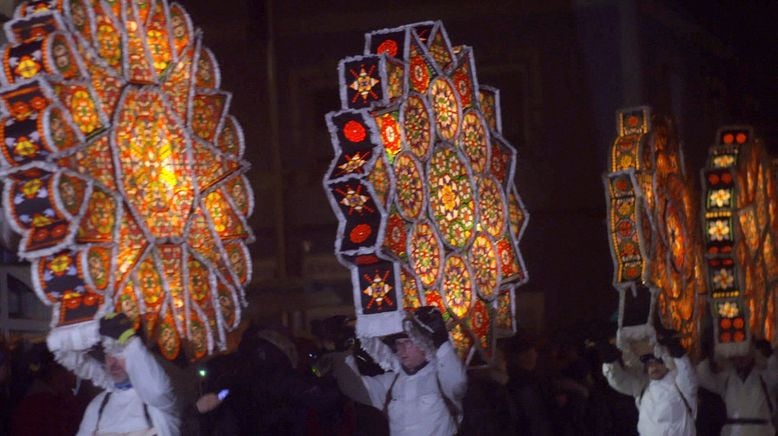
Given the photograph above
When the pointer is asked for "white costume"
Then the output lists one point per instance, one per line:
(123, 413)
(416, 405)
(749, 402)
(667, 407)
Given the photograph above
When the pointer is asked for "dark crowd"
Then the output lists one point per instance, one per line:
(277, 384)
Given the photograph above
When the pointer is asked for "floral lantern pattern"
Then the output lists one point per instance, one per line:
(652, 227)
(422, 185)
(123, 170)
(740, 228)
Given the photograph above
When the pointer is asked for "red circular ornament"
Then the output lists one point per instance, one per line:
(90, 299)
(726, 323)
(738, 323)
(623, 184)
(389, 47)
(354, 131)
(420, 77)
(725, 337)
(728, 138)
(741, 138)
(360, 233)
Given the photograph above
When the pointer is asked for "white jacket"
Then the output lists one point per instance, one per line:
(662, 410)
(124, 411)
(744, 399)
(416, 406)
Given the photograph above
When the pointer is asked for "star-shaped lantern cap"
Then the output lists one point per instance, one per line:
(422, 184)
(123, 170)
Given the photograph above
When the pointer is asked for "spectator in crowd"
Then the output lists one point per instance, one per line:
(525, 387)
(51, 392)
(488, 407)
(6, 404)
(260, 392)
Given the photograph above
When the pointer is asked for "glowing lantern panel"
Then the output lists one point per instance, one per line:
(123, 170)
(419, 156)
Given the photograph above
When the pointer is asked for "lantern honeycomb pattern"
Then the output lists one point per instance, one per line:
(652, 224)
(422, 185)
(123, 170)
(740, 228)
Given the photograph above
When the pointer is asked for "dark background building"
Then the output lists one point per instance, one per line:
(563, 68)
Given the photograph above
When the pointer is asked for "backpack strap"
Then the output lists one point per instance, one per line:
(389, 395)
(105, 403)
(453, 410)
(146, 414)
(683, 398)
(685, 402)
(766, 394)
(100, 410)
(642, 391)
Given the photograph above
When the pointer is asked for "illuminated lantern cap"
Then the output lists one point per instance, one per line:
(652, 228)
(422, 185)
(740, 230)
(123, 170)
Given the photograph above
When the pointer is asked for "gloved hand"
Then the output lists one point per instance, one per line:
(117, 326)
(430, 322)
(764, 347)
(365, 363)
(607, 352)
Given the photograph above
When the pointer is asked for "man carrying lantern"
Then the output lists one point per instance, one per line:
(747, 391)
(137, 399)
(424, 395)
(666, 398)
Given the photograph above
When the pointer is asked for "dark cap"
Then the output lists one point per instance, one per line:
(389, 340)
(649, 357)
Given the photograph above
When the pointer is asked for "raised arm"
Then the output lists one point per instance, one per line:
(626, 381)
(710, 379)
(71, 344)
(686, 379)
(148, 377)
(451, 373)
(376, 386)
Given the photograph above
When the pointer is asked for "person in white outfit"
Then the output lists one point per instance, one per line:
(747, 391)
(137, 399)
(424, 395)
(666, 399)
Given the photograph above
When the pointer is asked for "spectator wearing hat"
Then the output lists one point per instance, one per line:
(747, 391)
(666, 398)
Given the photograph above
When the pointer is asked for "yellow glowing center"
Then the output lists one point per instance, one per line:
(25, 147)
(448, 197)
